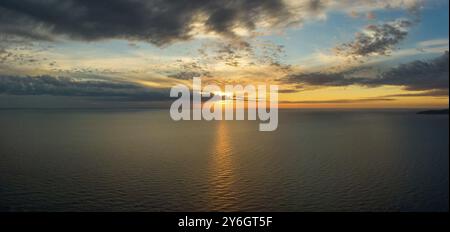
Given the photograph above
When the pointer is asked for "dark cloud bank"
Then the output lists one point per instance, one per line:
(66, 86)
(431, 76)
(157, 21)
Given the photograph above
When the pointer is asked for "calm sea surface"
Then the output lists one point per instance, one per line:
(140, 160)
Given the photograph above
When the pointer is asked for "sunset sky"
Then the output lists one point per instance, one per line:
(322, 53)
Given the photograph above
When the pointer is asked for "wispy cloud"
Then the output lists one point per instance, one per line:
(340, 101)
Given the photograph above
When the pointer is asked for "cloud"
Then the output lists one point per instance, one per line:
(155, 21)
(238, 59)
(414, 76)
(417, 75)
(328, 78)
(288, 91)
(245, 53)
(66, 86)
(340, 101)
(376, 40)
(429, 93)
(188, 75)
(163, 22)
(434, 43)
(358, 6)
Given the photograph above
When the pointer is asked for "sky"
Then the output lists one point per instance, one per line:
(321, 53)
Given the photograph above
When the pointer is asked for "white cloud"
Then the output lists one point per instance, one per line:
(434, 43)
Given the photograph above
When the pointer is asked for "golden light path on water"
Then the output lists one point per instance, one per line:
(222, 196)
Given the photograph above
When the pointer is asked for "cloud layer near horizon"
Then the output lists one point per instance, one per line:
(67, 86)
(430, 75)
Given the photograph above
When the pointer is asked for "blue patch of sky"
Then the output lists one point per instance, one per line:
(433, 25)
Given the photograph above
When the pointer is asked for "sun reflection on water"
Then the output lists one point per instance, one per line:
(221, 179)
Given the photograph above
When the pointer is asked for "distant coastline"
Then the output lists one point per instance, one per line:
(434, 112)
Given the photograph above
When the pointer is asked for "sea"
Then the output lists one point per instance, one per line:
(141, 160)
